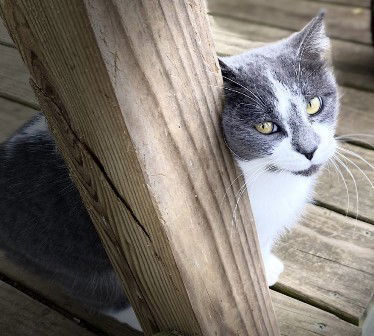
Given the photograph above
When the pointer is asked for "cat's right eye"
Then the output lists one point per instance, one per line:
(267, 127)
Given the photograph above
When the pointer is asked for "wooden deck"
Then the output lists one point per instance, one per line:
(328, 282)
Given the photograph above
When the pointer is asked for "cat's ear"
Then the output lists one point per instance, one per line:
(312, 42)
(225, 69)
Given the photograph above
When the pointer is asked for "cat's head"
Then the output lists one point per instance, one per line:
(281, 102)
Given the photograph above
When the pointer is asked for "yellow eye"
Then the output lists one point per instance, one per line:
(314, 105)
(266, 127)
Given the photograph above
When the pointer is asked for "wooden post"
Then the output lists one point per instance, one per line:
(132, 93)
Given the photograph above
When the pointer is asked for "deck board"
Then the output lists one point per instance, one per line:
(329, 261)
(277, 13)
(350, 3)
(14, 83)
(12, 116)
(296, 318)
(24, 316)
(4, 36)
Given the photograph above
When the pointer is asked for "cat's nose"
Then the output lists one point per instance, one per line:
(309, 155)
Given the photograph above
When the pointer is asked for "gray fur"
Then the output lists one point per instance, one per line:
(43, 225)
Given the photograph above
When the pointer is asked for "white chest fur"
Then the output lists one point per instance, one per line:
(277, 200)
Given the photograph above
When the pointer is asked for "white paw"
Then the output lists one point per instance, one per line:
(273, 268)
(126, 315)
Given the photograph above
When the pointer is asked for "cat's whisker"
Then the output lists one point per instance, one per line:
(233, 153)
(260, 164)
(344, 182)
(354, 182)
(243, 94)
(236, 91)
(229, 187)
(361, 171)
(327, 167)
(356, 155)
(241, 192)
(252, 178)
(245, 88)
(246, 186)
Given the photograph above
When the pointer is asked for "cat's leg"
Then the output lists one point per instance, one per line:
(273, 268)
(273, 265)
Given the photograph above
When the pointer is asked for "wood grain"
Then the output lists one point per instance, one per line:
(343, 22)
(23, 316)
(297, 318)
(12, 116)
(353, 62)
(329, 262)
(134, 105)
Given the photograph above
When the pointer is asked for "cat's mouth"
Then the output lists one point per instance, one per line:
(308, 172)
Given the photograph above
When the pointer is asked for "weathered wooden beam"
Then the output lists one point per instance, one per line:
(132, 93)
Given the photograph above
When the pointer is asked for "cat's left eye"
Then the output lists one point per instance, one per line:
(267, 127)
(314, 106)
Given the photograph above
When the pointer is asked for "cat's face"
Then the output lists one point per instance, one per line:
(281, 103)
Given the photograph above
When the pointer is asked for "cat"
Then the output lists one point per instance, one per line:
(279, 120)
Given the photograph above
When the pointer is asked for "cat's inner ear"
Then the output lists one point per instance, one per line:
(227, 72)
(312, 42)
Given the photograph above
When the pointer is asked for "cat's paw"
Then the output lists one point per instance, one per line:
(273, 268)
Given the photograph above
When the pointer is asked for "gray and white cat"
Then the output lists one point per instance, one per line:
(279, 121)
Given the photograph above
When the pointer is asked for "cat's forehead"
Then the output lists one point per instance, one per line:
(276, 69)
(262, 70)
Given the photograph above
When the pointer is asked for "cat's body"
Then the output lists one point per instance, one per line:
(45, 228)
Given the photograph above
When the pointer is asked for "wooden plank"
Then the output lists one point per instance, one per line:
(4, 36)
(292, 15)
(294, 317)
(331, 190)
(142, 162)
(12, 116)
(357, 114)
(14, 77)
(353, 62)
(355, 3)
(50, 291)
(329, 261)
(24, 316)
(298, 318)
